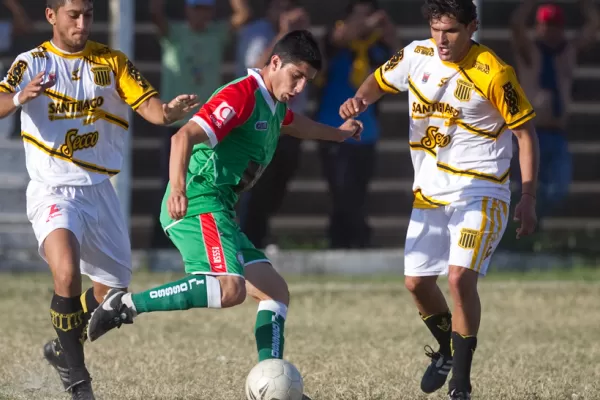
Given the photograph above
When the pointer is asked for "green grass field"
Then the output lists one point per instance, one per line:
(352, 338)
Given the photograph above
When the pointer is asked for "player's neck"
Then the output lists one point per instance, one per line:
(464, 53)
(64, 48)
(268, 84)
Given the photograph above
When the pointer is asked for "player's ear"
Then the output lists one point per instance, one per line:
(51, 16)
(275, 62)
(472, 27)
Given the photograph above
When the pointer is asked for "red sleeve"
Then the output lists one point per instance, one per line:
(289, 117)
(227, 109)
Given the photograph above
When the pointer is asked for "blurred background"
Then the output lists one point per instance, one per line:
(318, 195)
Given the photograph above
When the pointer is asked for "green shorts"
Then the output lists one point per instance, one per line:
(213, 244)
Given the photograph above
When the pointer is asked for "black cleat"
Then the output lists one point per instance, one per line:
(305, 397)
(110, 314)
(436, 374)
(456, 395)
(54, 354)
(82, 391)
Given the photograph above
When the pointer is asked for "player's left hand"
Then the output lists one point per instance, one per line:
(179, 107)
(525, 213)
(351, 128)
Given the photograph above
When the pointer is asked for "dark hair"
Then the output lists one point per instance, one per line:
(299, 46)
(465, 11)
(56, 4)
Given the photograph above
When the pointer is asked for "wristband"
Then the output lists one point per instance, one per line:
(16, 101)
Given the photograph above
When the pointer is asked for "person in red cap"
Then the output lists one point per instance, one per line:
(546, 63)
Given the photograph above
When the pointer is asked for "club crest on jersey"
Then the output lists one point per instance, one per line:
(261, 125)
(101, 75)
(222, 114)
(425, 78)
(463, 90)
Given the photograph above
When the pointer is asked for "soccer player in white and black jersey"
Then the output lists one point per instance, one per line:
(465, 105)
(74, 96)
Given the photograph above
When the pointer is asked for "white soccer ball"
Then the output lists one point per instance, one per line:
(274, 379)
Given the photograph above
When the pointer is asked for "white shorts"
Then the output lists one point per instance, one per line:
(93, 214)
(463, 234)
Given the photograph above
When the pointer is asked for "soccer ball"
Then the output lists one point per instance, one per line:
(274, 379)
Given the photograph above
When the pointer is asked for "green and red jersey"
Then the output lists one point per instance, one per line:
(243, 123)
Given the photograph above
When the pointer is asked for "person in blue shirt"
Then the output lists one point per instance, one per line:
(355, 46)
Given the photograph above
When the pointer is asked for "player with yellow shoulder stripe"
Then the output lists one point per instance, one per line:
(75, 97)
(464, 104)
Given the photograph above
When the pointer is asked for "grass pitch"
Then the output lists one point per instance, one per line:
(352, 339)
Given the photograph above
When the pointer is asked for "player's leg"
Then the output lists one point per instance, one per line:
(59, 229)
(267, 287)
(53, 351)
(426, 255)
(476, 230)
(208, 244)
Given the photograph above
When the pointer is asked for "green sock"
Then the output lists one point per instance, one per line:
(193, 291)
(270, 323)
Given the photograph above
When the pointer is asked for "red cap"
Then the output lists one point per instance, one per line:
(550, 14)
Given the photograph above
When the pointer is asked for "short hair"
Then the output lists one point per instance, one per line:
(56, 4)
(465, 11)
(299, 46)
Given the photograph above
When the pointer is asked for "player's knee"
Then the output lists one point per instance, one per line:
(419, 284)
(275, 288)
(233, 291)
(462, 281)
(67, 281)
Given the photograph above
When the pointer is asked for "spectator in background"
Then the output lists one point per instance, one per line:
(192, 59)
(255, 44)
(18, 25)
(364, 40)
(546, 65)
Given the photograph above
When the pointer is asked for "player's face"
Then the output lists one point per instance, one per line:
(452, 38)
(72, 22)
(288, 80)
(199, 16)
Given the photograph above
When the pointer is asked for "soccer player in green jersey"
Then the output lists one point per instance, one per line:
(221, 152)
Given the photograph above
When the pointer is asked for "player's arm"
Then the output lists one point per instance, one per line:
(587, 35)
(159, 17)
(156, 112)
(20, 86)
(507, 96)
(305, 128)
(136, 91)
(518, 29)
(528, 157)
(391, 77)
(226, 110)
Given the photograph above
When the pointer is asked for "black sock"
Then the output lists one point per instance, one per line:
(89, 304)
(440, 326)
(68, 320)
(463, 348)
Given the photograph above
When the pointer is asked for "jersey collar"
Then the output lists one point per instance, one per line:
(263, 88)
(53, 49)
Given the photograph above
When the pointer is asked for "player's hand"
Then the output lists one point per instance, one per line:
(177, 204)
(353, 107)
(36, 87)
(179, 107)
(525, 213)
(351, 129)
